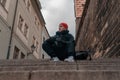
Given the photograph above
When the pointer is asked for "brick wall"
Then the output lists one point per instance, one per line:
(79, 5)
(99, 28)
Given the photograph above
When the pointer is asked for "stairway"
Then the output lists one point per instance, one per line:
(101, 69)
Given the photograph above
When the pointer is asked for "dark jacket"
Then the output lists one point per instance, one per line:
(61, 39)
(61, 45)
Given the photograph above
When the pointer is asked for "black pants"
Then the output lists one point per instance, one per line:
(60, 52)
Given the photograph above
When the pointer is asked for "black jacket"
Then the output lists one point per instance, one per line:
(61, 39)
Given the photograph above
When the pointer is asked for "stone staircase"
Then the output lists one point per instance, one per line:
(101, 69)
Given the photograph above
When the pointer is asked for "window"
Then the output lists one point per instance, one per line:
(3, 2)
(25, 30)
(43, 39)
(28, 5)
(38, 25)
(37, 44)
(20, 22)
(22, 55)
(24, 1)
(34, 40)
(35, 20)
(16, 53)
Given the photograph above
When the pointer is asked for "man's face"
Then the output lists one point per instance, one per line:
(61, 28)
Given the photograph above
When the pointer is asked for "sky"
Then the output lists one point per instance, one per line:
(57, 11)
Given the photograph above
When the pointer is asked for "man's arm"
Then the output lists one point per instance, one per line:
(51, 39)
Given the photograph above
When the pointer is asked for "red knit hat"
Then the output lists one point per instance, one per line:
(64, 25)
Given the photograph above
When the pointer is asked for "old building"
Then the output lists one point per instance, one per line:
(45, 35)
(25, 25)
(99, 28)
(79, 6)
(6, 22)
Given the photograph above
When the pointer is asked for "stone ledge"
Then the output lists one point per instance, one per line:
(76, 75)
(48, 62)
(61, 75)
(14, 75)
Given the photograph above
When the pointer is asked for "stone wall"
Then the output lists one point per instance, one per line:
(99, 28)
(4, 38)
(79, 6)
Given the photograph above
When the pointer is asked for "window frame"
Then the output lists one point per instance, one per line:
(3, 3)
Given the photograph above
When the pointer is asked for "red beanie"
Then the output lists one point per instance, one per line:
(64, 25)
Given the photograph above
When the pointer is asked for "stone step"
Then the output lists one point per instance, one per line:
(108, 69)
(59, 67)
(61, 75)
(34, 68)
(48, 62)
(28, 65)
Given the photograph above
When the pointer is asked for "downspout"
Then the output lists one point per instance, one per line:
(12, 30)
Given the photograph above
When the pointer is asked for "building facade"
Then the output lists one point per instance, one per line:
(26, 25)
(79, 7)
(99, 28)
(5, 25)
(45, 35)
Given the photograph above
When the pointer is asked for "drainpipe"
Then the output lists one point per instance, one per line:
(12, 30)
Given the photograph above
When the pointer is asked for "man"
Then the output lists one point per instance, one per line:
(61, 46)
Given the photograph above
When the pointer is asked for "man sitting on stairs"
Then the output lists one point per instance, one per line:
(61, 46)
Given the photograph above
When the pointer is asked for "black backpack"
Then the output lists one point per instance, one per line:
(82, 55)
